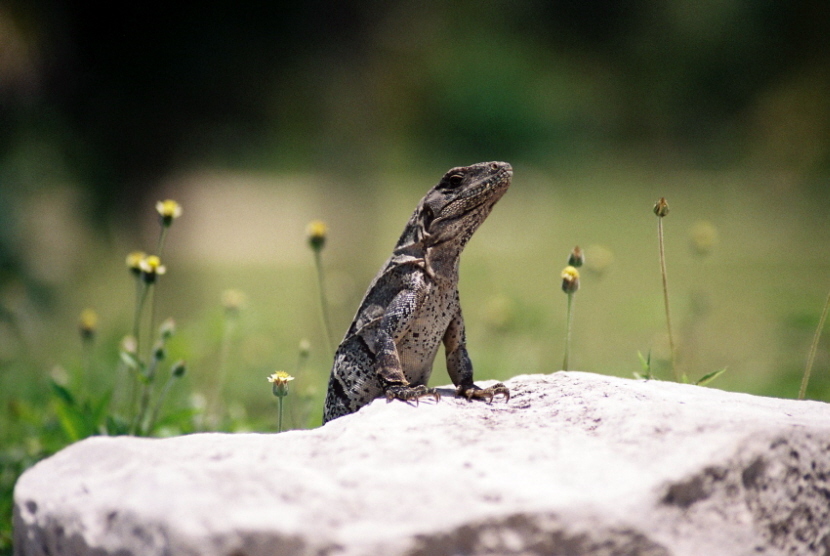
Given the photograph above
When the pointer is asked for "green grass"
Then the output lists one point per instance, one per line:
(751, 306)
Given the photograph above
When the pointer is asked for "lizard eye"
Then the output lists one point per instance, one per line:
(456, 179)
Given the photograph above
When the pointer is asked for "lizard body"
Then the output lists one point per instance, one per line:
(412, 305)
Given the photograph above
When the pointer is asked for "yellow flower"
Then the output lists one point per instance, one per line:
(168, 211)
(151, 267)
(600, 260)
(233, 301)
(305, 348)
(134, 261)
(316, 232)
(704, 237)
(87, 324)
(280, 377)
(499, 312)
(280, 380)
(570, 280)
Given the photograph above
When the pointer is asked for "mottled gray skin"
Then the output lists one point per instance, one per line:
(412, 305)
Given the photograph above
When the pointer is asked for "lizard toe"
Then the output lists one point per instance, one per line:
(408, 393)
(476, 393)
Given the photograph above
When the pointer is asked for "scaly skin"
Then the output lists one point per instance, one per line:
(412, 304)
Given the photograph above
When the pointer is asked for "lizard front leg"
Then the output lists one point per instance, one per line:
(460, 368)
(394, 324)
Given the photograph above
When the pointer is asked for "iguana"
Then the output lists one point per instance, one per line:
(412, 304)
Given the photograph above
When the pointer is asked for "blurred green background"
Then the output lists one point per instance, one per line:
(260, 118)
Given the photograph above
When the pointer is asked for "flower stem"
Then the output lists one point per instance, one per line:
(133, 394)
(145, 399)
(87, 347)
(157, 409)
(214, 409)
(302, 358)
(666, 296)
(813, 348)
(151, 327)
(324, 310)
(162, 237)
(140, 298)
(279, 419)
(565, 363)
(141, 291)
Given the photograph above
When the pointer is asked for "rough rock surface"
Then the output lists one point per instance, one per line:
(575, 464)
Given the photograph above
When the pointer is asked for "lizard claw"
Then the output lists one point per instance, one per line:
(409, 393)
(474, 392)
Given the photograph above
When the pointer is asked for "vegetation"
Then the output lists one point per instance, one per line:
(570, 285)
(264, 119)
(88, 379)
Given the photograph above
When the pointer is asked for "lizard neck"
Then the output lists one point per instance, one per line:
(440, 259)
(443, 260)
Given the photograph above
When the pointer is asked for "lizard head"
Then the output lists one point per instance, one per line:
(454, 209)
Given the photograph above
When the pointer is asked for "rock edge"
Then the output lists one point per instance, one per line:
(575, 464)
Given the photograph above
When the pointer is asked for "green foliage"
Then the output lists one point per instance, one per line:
(645, 363)
(14, 460)
(813, 348)
(575, 82)
(709, 377)
(138, 388)
(648, 374)
(81, 419)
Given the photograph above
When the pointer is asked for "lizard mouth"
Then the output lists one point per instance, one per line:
(480, 196)
(491, 188)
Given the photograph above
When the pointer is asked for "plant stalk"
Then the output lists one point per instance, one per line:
(813, 348)
(157, 409)
(324, 309)
(214, 409)
(162, 237)
(666, 297)
(146, 392)
(140, 298)
(565, 363)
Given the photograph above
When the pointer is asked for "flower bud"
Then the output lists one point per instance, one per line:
(87, 324)
(661, 207)
(577, 257)
(305, 348)
(704, 238)
(178, 370)
(167, 329)
(316, 232)
(129, 345)
(233, 301)
(600, 261)
(570, 280)
(159, 353)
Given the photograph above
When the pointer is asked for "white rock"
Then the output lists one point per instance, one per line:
(575, 464)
